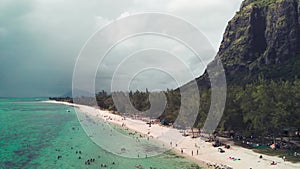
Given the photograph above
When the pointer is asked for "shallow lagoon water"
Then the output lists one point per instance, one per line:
(34, 134)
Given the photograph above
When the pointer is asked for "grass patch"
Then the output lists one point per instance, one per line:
(289, 155)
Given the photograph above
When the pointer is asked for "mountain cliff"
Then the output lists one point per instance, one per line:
(262, 39)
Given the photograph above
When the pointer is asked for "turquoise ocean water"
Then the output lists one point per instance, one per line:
(35, 134)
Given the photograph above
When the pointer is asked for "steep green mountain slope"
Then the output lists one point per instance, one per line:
(262, 39)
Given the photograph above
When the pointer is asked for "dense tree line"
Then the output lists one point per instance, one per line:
(262, 108)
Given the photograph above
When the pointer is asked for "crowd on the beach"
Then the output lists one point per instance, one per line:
(188, 149)
(218, 166)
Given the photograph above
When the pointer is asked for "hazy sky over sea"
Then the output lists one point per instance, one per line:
(41, 39)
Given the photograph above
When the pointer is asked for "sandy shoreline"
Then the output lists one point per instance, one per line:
(206, 152)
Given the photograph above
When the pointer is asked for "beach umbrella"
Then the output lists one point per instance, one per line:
(272, 146)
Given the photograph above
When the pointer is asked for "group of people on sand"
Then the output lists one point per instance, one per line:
(197, 152)
(192, 152)
(218, 166)
(234, 159)
(273, 163)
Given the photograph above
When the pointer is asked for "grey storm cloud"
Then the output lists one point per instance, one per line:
(40, 40)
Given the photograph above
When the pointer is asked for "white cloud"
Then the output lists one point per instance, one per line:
(210, 16)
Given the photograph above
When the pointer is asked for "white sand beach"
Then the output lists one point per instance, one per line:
(207, 154)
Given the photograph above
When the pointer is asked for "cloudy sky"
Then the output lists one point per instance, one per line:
(40, 41)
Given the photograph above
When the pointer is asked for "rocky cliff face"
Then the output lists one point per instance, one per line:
(263, 38)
